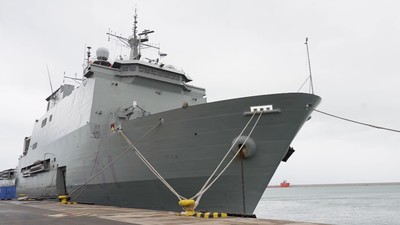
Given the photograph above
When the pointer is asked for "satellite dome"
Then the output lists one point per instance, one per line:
(102, 53)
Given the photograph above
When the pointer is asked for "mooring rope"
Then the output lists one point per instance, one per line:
(144, 160)
(123, 153)
(205, 187)
(353, 121)
(201, 192)
(94, 164)
(226, 155)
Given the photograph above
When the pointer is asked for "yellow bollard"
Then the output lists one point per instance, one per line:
(63, 198)
(188, 206)
(186, 202)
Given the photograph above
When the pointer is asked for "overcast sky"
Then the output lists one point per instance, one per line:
(233, 49)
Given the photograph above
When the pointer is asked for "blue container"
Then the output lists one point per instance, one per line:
(7, 192)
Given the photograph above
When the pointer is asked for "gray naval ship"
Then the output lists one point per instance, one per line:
(83, 145)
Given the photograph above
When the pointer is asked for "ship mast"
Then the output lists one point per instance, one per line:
(136, 40)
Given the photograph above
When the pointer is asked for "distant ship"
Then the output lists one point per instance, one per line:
(285, 184)
(133, 104)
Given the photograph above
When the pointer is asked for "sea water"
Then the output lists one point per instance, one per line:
(372, 204)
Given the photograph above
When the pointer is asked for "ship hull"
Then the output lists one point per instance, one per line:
(185, 150)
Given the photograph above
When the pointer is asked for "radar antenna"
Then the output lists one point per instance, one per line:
(136, 41)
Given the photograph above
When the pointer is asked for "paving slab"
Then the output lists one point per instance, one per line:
(49, 212)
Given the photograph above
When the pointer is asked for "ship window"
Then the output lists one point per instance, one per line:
(51, 117)
(44, 122)
(34, 146)
(132, 68)
(124, 68)
(159, 73)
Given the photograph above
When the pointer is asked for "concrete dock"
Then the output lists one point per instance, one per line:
(49, 212)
